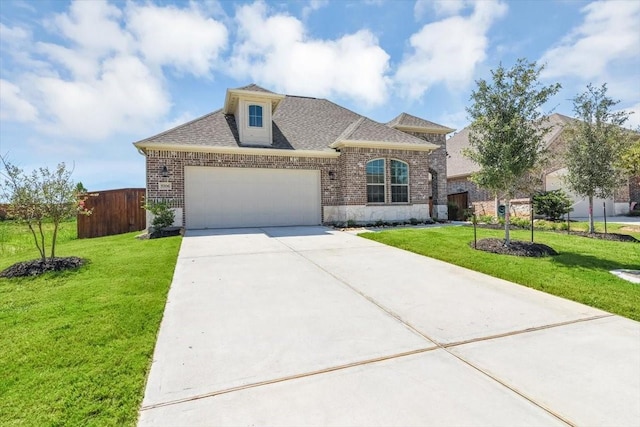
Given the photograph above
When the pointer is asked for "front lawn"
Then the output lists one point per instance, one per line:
(75, 346)
(580, 272)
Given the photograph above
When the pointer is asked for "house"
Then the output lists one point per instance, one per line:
(267, 159)
(460, 168)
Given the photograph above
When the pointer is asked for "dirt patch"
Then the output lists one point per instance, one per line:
(37, 267)
(516, 248)
(631, 228)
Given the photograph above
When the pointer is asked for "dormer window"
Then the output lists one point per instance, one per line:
(255, 116)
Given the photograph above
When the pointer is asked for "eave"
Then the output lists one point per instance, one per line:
(419, 129)
(143, 147)
(427, 146)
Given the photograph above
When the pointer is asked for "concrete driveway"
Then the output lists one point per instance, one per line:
(310, 326)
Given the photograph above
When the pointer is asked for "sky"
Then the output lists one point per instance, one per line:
(81, 81)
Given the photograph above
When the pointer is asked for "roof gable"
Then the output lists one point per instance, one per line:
(299, 123)
(406, 121)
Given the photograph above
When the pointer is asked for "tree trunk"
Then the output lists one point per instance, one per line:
(507, 238)
(53, 239)
(591, 227)
(43, 255)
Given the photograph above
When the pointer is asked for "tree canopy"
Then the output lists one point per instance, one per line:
(508, 128)
(596, 142)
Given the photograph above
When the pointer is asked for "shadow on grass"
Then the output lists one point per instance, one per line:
(572, 259)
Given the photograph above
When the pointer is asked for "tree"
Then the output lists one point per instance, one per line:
(552, 204)
(39, 196)
(595, 144)
(630, 159)
(507, 130)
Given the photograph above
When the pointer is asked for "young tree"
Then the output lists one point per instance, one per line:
(44, 194)
(507, 130)
(595, 144)
(630, 158)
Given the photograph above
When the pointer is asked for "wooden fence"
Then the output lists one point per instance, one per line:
(114, 212)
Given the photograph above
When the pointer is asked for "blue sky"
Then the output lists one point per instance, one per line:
(80, 81)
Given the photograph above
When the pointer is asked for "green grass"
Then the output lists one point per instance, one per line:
(75, 346)
(579, 273)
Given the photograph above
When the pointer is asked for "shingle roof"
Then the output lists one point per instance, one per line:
(460, 165)
(299, 123)
(254, 88)
(407, 120)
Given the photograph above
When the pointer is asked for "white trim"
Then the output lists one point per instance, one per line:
(408, 184)
(427, 146)
(420, 129)
(384, 182)
(275, 98)
(236, 150)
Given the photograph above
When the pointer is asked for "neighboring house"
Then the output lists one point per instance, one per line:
(460, 168)
(267, 159)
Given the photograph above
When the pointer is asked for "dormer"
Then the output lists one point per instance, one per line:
(253, 108)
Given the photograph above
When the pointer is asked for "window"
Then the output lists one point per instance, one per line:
(255, 116)
(375, 181)
(399, 182)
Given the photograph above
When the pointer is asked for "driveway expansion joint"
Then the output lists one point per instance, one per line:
(289, 378)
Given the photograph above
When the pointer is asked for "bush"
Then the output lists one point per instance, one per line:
(521, 222)
(414, 221)
(452, 211)
(552, 204)
(163, 215)
(486, 219)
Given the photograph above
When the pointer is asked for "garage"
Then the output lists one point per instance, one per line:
(220, 197)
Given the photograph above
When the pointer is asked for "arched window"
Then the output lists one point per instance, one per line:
(375, 181)
(255, 116)
(399, 182)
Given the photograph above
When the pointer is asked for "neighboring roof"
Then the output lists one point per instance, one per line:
(409, 122)
(460, 165)
(299, 123)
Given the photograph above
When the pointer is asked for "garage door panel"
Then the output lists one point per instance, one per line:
(218, 197)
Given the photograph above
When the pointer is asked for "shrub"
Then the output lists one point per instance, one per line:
(520, 222)
(453, 211)
(486, 219)
(351, 223)
(552, 204)
(414, 221)
(163, 215)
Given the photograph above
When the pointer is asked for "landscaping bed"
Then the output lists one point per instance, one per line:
(516, 248)
(37, 267)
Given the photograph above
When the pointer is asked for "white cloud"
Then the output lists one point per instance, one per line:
(608, 33)
(104, 74)
(440, 7)
(124, 97)
(448, 51)
(313, 5)
(275, 51)
(634, 117)
(182, 38)
(12, 104)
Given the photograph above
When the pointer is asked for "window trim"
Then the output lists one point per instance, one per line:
(249, 115)
(384, 181)
(391, 184)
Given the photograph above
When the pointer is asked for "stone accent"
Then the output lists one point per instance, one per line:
(368, 214)
(343, 179)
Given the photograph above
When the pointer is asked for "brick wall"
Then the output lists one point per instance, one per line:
(460, 185)
(353, 177)
(343, 179)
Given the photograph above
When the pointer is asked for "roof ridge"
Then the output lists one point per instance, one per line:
(349, 130)
(180, 126)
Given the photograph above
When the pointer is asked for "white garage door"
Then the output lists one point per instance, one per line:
(250, 197)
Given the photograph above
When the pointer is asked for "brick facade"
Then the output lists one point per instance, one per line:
(343, 179)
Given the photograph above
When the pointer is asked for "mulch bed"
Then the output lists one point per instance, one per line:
(616, 237)
(37, 267)
(516, 248)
